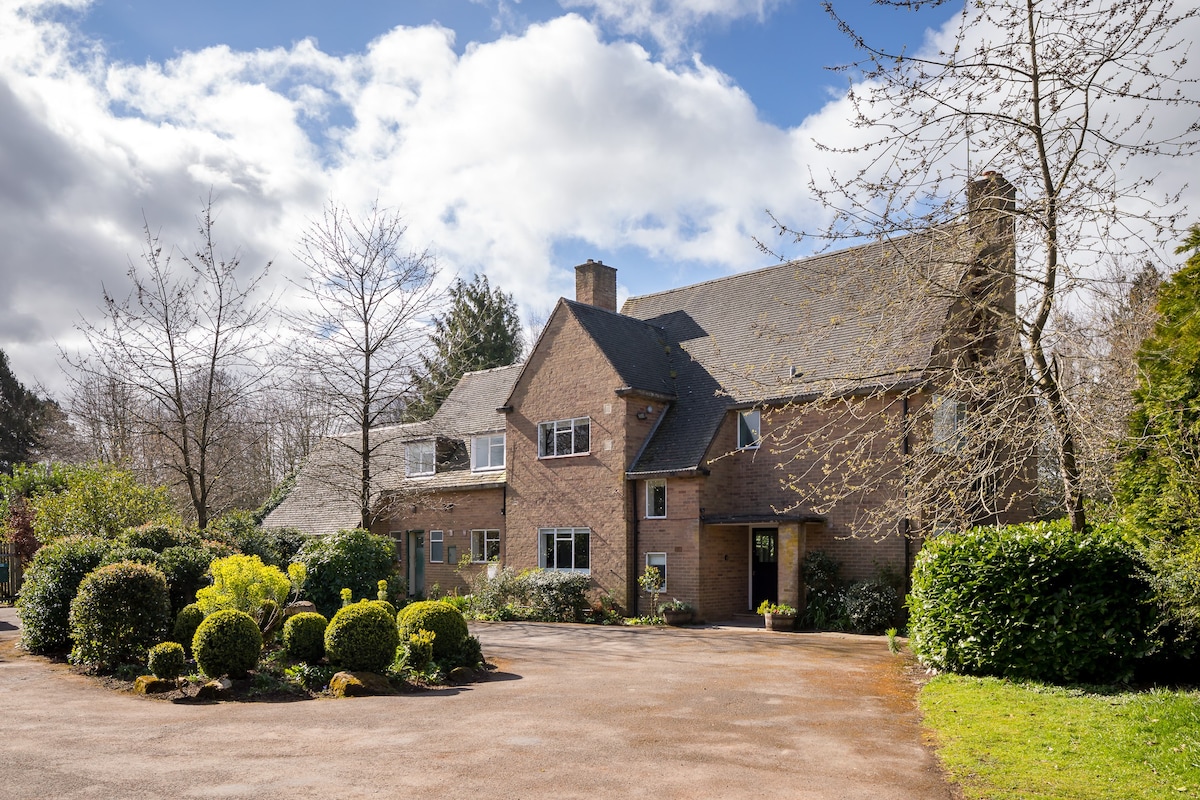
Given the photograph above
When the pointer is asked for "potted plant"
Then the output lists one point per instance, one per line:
(778, 616)
(676, 612)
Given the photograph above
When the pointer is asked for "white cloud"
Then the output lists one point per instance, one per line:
(670, 23)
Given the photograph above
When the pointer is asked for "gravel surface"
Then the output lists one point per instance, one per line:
(572, 711)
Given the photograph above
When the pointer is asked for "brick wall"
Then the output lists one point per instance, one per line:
(456, 514)
(567, 377)
(677, 535)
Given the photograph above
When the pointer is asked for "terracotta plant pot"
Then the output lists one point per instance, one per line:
(780, 622)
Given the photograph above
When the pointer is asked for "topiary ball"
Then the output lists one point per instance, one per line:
(440, 617)
(304, 636)
(119, 613)
(166, 660)
(227, 642)
(186, 622)
(362, 636)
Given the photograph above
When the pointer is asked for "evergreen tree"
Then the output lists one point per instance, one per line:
(480, 330)
(20, 418)
(1159, 476)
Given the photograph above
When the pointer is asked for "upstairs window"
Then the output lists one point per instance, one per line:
(420, 458)
(485, 546)
(948, 418)
(487, 452)
(656, 499)
(564, 437)
(749, 430)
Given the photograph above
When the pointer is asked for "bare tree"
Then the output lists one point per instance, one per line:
(367, 320)
(174, 366)
(1069, 100)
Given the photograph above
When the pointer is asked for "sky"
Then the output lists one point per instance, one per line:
(516, 139)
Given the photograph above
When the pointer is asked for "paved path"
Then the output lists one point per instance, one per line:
(573, 711)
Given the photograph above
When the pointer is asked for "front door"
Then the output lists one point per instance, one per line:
(764, 566)
(416, 563)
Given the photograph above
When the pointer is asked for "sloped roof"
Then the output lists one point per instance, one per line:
(637, 350)
(324, 499)
(870, 316)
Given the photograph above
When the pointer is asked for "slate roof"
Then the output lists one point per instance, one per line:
(866, 317)
(324, 498)
(637, 350)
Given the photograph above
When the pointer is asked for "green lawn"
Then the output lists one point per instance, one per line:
(1002, 740)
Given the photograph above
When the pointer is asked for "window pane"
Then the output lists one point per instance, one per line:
(477, 545)
(581, 550)
(493, 545)
(547, 558)
(582, 436)
(563, 559)
(656, 498)
(496, 456)
(436, 547)
(659, 562)
(545, 440)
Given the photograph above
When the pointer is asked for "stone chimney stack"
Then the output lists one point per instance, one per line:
(596, 285)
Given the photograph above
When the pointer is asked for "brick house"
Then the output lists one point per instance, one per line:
(645, 436)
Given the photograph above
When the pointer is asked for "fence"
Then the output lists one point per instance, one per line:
(10, 571)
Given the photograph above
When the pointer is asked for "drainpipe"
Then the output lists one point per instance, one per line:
(631, 570)
(906, 523)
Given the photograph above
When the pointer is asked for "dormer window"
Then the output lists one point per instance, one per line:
(420, 458)
(749, 430)
(565, 437)
(487, 452)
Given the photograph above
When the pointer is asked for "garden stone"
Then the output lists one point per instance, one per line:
(299, 607)
(462, 675)
(214, 689)
(358, 684)
(149, 684)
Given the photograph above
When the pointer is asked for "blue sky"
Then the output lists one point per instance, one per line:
(516, 138)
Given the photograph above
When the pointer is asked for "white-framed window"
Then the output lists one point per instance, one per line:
(656, 498)
(487, 452)
(420, 458)
(485, 546)
(437, 551)
(565, 549)
(948, 418)
(749, 429)
(658, 561)
(564, 437)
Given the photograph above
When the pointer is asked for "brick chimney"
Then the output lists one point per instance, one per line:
(596, 285)
(991, 218)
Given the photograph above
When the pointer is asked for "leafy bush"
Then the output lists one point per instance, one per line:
(227, 642)
(304, 636)
(825, 595)
(275, 546)
(158, 536)
(166, 660)
(444, 620)
(1034, 602)
(353, 559)
(871, 606)
(243, 583)
(51, 582)
(362, 636)
(419, 650)
(541, 595)
(139, 555)
(186, 622)
(120, 612)
(98, 500)
(186, 568)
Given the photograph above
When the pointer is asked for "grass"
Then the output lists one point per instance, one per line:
(1031, 742)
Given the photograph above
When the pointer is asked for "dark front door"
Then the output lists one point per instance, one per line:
(764, 566)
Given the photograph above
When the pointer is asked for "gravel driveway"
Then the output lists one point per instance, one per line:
(572, 711)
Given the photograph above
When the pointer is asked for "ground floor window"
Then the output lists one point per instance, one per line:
(437, 553)
(658, 561)
(565, 549)
(485, 546)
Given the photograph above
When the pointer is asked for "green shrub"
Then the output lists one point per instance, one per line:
(50, 584)
(871, 606)
(420, 650)
(362, 636)
(98, 500)
(1032, 602)
(443, 619)
(167, 660)
(120, 612)
(186, 568)
(353, 559)
(227, 642)
(825, 594)
(186, 622)
(159, 537)
(140, 555)
(243, 583)
(557, 596)
(304, 636)
(276, 547)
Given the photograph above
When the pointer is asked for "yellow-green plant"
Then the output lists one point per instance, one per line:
(243, 583)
